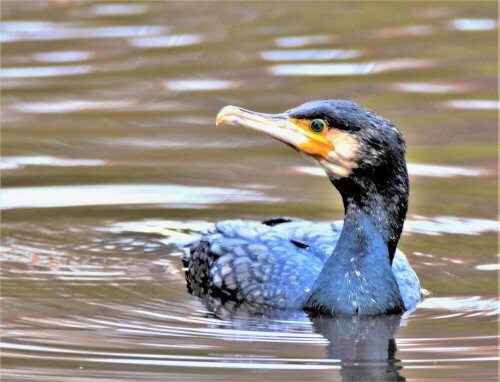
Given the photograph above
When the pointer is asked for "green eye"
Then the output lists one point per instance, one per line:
(317, 125)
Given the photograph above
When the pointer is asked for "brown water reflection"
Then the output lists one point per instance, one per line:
(110, 162)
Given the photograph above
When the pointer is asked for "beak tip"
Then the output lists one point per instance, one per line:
(226, 115)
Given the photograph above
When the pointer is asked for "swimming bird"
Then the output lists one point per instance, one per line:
(343, 268)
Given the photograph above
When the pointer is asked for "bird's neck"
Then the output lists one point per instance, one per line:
(375, 209)
(358, 277)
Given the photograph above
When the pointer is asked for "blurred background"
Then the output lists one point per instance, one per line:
(109, 149)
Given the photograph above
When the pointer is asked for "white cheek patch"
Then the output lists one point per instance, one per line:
(334, 171)
(342, 160)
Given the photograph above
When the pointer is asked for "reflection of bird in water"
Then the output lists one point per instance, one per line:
(350, 268)
(364, 345)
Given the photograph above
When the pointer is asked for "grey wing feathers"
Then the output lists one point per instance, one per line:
(260, 264)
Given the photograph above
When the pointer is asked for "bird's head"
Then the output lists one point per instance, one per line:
(341, 137)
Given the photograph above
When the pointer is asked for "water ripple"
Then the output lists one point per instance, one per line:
(119, 9)
(178, 233)
(40, 31)
(170, 360)
(439, 225)
(474, 24)
(63, 56)
(462, 306)
(14, 163)
(25, 26)
(472, 104)
(75, 105)
(427, 87)
(126, 194)
(488, 267)
(417, 169)
(410, 30)
(167, 41)
(199, 85)
(44, 71)
(350, 69)
(296, 41)
(310, 55)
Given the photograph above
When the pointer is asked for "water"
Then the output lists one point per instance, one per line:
(110, 159)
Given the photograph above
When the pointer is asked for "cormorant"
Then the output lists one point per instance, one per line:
(344, 268)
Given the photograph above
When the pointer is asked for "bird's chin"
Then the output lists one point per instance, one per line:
(333, 170)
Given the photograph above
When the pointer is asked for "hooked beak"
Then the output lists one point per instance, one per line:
(293, 132)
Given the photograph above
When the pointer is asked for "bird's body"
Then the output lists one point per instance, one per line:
(349, 267)
(274, 263)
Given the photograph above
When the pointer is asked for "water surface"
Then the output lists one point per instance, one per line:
(110, 160)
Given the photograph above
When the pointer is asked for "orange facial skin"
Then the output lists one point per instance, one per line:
(317, 144)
